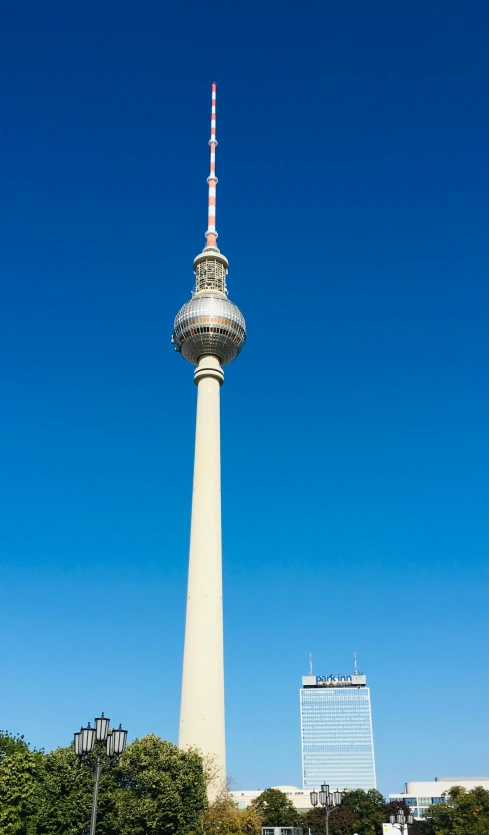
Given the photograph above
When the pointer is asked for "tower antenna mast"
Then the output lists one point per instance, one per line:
(355, 669)
(211, 234)
(310, 663)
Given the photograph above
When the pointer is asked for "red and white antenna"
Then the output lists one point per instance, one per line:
(310, 663)
(211, 234)
(355, 670)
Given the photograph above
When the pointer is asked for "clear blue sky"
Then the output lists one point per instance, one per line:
(352, 205)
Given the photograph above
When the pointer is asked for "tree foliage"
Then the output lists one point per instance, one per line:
(10, 743)
(155, 789)
(342, 821)
(464, 813)
(360, 812)
(224, 818)
(160, 789)
(368, 809)
(64, 796)
(18, 779)
(275, 808)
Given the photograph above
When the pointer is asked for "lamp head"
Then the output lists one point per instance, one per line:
(120, 740)
(87, 739)
(101, 728)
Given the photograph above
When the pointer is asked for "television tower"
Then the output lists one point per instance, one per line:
(209, 331)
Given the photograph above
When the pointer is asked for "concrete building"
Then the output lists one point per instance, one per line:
(420, 795)
(299, 797)
(209, 331)
(336, 732)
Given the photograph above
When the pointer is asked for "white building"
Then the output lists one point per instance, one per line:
(299, 797)
(336, 732)
(419, 796)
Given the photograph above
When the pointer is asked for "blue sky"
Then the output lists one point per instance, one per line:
(352, 205)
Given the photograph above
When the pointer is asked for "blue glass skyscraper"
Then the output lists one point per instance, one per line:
(336, 729)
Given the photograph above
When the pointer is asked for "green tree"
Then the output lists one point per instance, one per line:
(275, 808)
(9, 743)
(224, 818)
(18, 780)
(342, 821)
(361, 812)
(464, 813)
(221, 817)
(64, 796)
(160, 789)
(250, 821)
(155, 789)
(368, 809)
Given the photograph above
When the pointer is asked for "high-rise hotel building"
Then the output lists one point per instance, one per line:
(336, 730)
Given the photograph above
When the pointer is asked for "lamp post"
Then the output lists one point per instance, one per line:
(99, 748)
(400, 821)
(327, 800)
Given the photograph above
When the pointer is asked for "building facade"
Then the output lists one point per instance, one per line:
(419, 796)
(298, 797)
(336, 732)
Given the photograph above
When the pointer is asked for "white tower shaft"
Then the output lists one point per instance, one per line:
(202, 703)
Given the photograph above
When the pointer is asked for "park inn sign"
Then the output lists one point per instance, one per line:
(324, 679)
(334, 681)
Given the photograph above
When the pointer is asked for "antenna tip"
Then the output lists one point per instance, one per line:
(214, 86)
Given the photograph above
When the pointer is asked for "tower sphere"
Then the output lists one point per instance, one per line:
(209, 324)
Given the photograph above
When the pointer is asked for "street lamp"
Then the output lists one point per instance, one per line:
(99, 748)
(327, 800)
(400, 821)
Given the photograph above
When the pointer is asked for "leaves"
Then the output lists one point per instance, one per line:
(160, 789)
(342, 821)
(155, 789)
(224, 818)
(464, 813)
(360, 812)
(275, 808)
(64, 795)
(18, 775)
